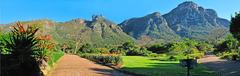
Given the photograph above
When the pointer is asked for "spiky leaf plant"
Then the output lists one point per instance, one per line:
(21, 44)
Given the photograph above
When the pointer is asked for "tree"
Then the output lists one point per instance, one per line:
(158, 48)
(235, 26)
(228, 48)
(88, 48)
(186, 48)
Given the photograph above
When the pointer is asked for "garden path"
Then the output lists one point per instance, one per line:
(221, 66)
(73, 65)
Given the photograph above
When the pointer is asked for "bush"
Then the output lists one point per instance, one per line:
(20, 60)
(103, 59)
(118, 50)
(138, 52)
(131, 49)
(158, 48)
(228, 49)
(204, 47)
(3, 48)
(88, 48)
(229, 55)
(103, 50)
(153, 55)
(173, 58)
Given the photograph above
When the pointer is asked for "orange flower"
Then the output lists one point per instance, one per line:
(46, 37)
(20, 27)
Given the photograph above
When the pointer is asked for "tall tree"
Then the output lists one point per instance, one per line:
(235, 26)
(235, 29)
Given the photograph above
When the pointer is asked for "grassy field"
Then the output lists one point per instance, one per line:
(152, 67)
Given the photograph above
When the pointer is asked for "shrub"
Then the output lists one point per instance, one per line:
(228, 49)
(20, 60)
(158, 48)
(87, 48)
(116, 51)
(103, 50)
(3, 48)
(138, 52)
(173, 58)
(131, 49)
(103, 59)
(204, 47)
(229, 55)
(153, 55)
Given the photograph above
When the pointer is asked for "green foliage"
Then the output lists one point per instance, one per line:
(203, 46)
(129, 48)
(187, 48)
(103, 59)
(54, 57)
(88, 48)
(228, 44)
(22, 42)
(3, 48)
(142, 51)
(103, 50)
(158, 48)
(117, 51)
(235, 26)
(228, 48)
(20, 60)
(97, 33)
(229, 55)
(42, 54)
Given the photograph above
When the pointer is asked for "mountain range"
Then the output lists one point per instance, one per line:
(187, 20)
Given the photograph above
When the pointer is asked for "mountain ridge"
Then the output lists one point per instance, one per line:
(186, 20)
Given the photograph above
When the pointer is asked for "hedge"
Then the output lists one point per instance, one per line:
(103, 59)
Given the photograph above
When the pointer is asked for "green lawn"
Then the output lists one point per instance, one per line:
(150, 67)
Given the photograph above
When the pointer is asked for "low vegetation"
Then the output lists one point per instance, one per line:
(104, 59)
(229, 48)
(26, 52)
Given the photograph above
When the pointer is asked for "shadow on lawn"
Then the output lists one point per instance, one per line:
(225, 68)
(167, 69)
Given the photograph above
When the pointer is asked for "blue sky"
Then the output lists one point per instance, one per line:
(115, 10)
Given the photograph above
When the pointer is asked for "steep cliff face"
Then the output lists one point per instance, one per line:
(193, 21)
(152, 25)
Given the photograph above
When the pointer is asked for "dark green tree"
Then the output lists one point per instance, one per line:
(235, 26)
(88, 48)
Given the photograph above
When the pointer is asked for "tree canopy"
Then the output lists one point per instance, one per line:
(235, 26)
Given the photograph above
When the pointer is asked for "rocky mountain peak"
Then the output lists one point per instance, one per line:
(193, 21)
(154, 14)
(97, 18)
(188, 4)
(152, 25)
(211, 12)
